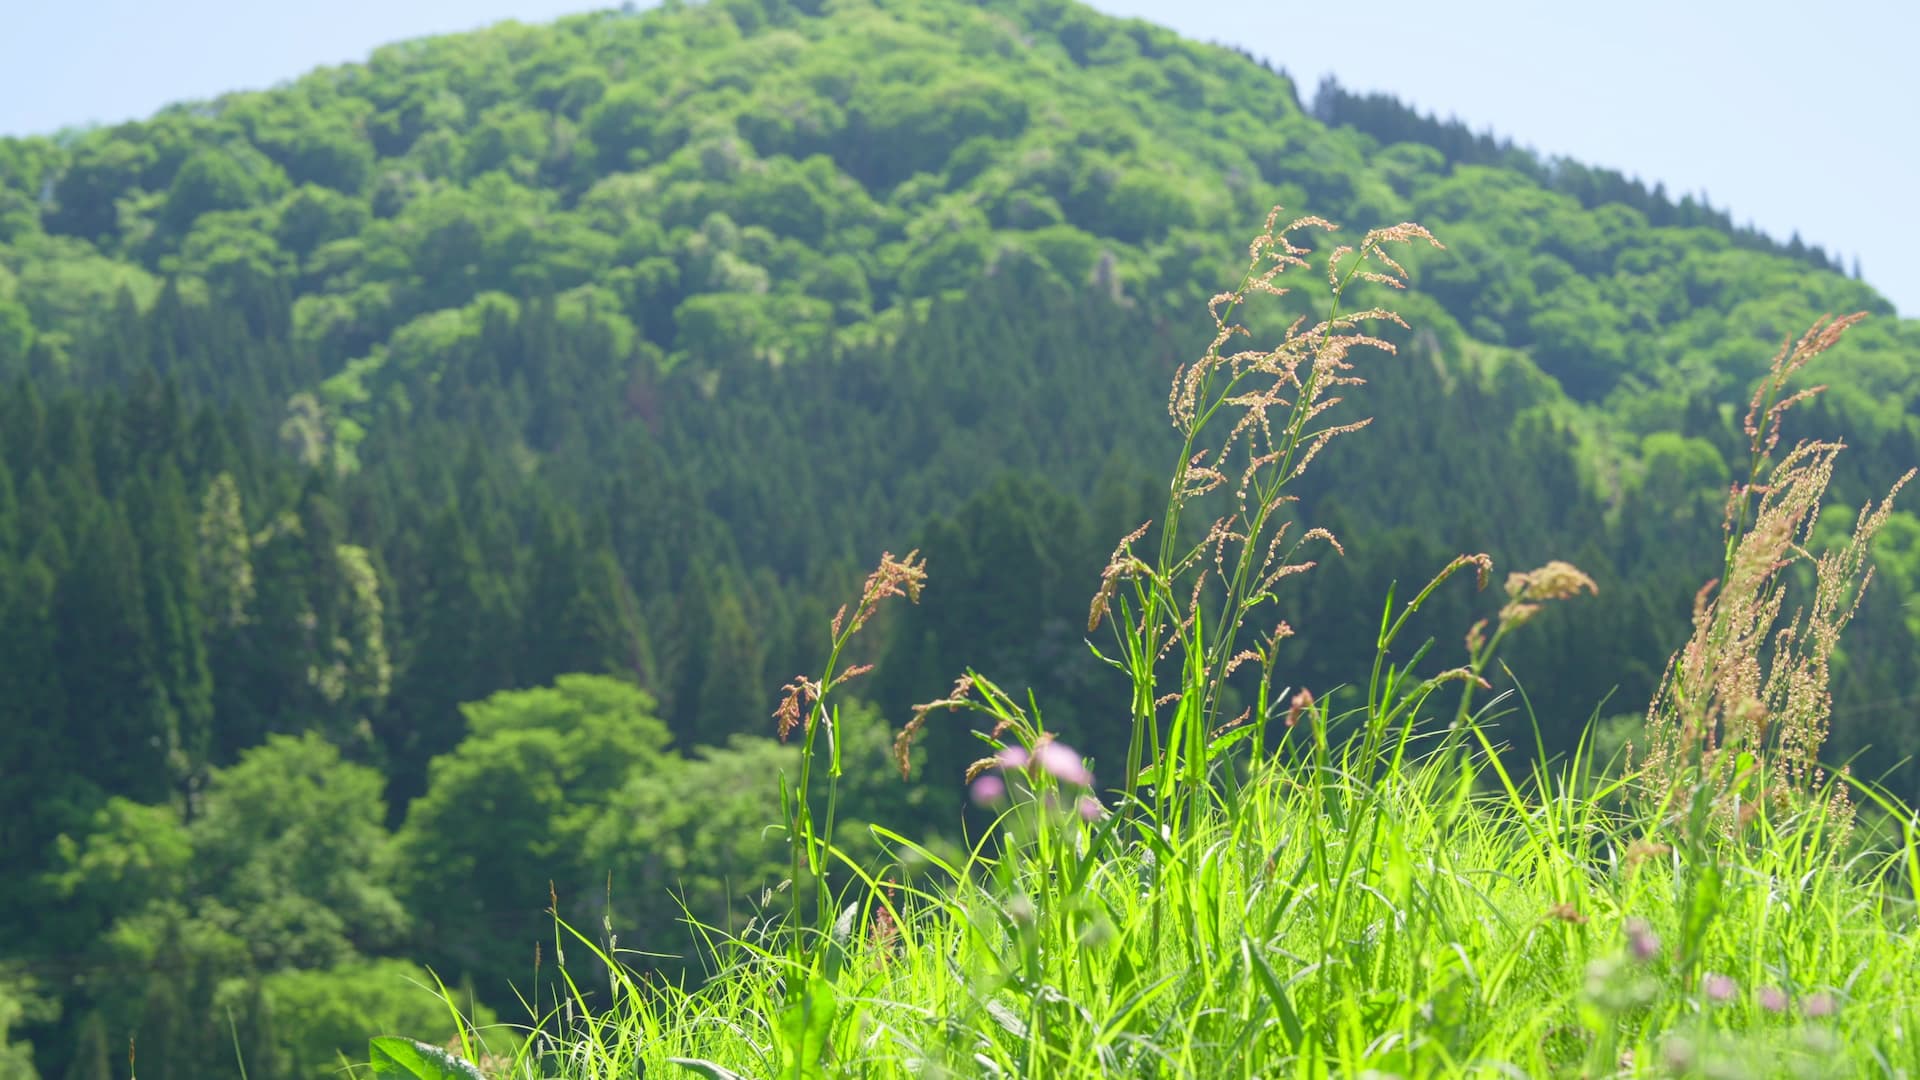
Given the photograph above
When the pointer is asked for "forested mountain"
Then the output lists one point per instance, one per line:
(420, 477)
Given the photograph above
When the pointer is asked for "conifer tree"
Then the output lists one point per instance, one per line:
(32, 713)
(166, 535)
(733, 696)
(582, 616)
(119, 732)
(457, 654)
(92, 1056)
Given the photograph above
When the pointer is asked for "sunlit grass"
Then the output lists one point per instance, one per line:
(1429, 921)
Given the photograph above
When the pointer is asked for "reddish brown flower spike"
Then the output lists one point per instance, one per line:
(1567, 913)
(796, 700)
(1302, 702)
(893, 577)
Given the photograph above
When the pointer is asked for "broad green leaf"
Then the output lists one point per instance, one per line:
(706, 1068)
(391, 1055)
(804, 1024)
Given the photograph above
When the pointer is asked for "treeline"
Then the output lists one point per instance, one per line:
(1389, 120)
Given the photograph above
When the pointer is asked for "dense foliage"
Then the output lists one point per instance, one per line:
(418, 478)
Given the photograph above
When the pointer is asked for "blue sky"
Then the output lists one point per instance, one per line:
(1790, 114)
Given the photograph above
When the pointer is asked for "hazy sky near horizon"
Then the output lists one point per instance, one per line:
(1792, 116)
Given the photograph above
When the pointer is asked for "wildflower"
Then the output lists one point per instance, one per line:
(1679, 1053)
(1013, 757)
(1090, 808)
(1600, 977)
(1063, 763)
(1720, 989)
(988, 790)
(1641, 941)
(1773, 999)
(1818, 1005)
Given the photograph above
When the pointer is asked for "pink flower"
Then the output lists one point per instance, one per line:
(1012, 757)
(1641, 941)
(1090, 808)
(1819, 1004)
(1773, 999)
(988, 789)
(1065, 765)
(1720, 988)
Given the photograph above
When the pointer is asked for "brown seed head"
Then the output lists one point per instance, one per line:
(796, 703)
(1753, 683)
(1121, 565)
(1555, 581)
(1301, 703)
(959, 697)
(893, 577)
(1567, 913)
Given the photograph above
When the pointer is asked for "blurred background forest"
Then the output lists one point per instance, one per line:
(419, 479)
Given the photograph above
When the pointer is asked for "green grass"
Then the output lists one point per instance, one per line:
(1328, 923)
(1375, 882)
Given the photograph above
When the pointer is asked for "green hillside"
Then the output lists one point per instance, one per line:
(420, 478)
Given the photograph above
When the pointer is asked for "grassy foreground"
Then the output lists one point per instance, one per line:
(1373, 882)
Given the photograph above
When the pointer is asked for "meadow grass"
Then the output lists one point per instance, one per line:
(1376, 882)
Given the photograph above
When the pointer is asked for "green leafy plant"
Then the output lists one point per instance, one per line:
(412, 1060)
(809, 1010)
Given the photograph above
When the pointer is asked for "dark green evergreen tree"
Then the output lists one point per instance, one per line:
(119, 732)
